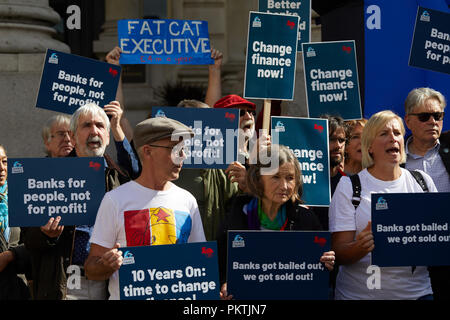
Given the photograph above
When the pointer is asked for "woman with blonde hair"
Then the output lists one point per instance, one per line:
(382, 147)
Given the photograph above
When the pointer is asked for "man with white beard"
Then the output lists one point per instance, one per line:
(89, 128)
(236, 171)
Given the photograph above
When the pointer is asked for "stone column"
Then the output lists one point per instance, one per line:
(25, 34)
(115, 10)
(136, 95)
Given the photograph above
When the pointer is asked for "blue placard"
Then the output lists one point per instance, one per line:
(411, 229)
(302, 9)
(271, 56)
(186, 271)
(216, 135)
(331, 79)
(166, 41)
(69, 81)
(430, 48)
(277, 265)
(308, 139)
(41, 188)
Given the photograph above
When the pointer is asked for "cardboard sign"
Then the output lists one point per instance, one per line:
(308, 140)
(277, 265)
(41, 188)
(411, 229)
(271, 56)
(170, 272)
(331, 79)
(430, 48)
(69, 81)
(216, 135)
(302, 9)
(151, 41)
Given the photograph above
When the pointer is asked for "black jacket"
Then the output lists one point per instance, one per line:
(51, 256)
(298, 218)
(12, 287)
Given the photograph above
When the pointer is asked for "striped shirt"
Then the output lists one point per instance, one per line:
(430, 163)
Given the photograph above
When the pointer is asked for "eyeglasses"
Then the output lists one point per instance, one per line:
(244, 111)
(176, 147)
(61, 134)
(424, 116)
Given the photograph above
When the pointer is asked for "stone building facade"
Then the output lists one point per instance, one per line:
(28, 28)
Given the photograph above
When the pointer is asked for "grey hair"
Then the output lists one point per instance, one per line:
(91, 109)
(283, 155)
(418, 96)
(54, 120)
(192, 104)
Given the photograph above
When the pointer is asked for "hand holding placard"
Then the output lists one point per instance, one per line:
(364, 239)
(112, 259)
(52, 229)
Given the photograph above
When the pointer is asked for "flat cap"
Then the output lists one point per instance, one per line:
(154, 129)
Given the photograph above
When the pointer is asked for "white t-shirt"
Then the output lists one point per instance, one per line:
(134, 215)
(396, 282)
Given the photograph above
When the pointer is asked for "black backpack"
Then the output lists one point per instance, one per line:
(356, 184)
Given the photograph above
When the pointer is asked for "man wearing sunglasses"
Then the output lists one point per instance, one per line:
(428, 149)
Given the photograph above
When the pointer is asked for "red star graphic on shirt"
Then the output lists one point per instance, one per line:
(162, 215)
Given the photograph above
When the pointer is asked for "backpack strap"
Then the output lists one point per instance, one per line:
(420, 180)
(356, 185)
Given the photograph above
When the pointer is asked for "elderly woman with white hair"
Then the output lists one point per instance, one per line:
(274, 203)
(352, 240)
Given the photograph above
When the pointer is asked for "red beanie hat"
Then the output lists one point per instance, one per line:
(232, 101)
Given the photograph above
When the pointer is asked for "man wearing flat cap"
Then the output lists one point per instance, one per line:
(150, 210)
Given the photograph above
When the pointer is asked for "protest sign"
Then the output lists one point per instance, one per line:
(216, 135)
(411, 229)
(271, 56)
(42, 188)
(166, 41)
(69, 81)
(308, 140)
(331, 79)
(302, 9)
(277, 265)
(186, 271)
(430, 48)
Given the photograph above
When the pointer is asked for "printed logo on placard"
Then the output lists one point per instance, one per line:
(95, 165)
(17, 167)
(425, 16)
(310, 52)
(113, 72)
(320, 241)
(381, 204)
(290, 24)
(238, 242)
(256, 22)
(230, 116)
(208, 252)
(279, 127)
(128, 258)
(318, 127)
(53, 59)
(160, 113)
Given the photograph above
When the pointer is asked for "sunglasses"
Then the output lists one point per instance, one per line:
(424, 116)
(244, 111)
